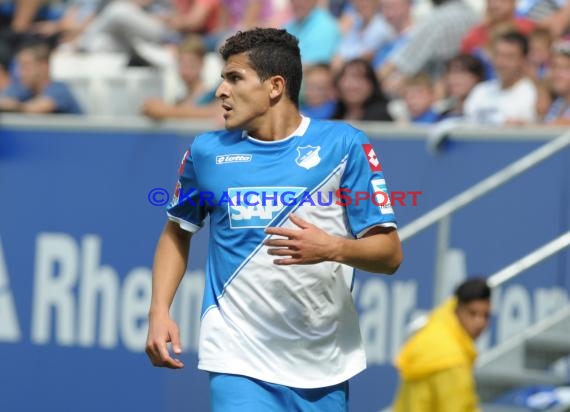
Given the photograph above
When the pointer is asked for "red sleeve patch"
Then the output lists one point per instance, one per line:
(181, 168)
(373, 161)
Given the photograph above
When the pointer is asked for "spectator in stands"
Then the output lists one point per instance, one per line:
(497, 13)
(359, 94)
(336, 7)
(432, 42)
(511, 98)
(319, 94)
(18, 16)
(5, 61)
(37, 92)
(77, 16)
(419, 98)
(138, 27)
(245, 14)
(436, 363)
(368, 33)
(559, 112)
(545, 96)
(539, 53)
(317, 31)
(553, 15)
(347, 15)
(236, 15)
(399, 16)
(463, 73)
(282, 14)
(198, 102)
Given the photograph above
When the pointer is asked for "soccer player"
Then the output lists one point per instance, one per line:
(279, 330)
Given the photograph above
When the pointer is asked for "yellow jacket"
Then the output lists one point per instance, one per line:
(436, 366)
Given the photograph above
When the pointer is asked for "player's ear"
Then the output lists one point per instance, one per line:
(276, 86)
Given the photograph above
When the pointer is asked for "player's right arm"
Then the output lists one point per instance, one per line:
(170, 261)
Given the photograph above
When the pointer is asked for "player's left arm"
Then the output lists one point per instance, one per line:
(378, 251)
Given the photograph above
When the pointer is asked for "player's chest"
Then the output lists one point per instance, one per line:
(299, 166)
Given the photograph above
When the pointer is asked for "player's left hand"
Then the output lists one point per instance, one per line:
(303, 246)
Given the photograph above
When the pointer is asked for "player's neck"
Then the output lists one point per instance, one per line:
(276, 124)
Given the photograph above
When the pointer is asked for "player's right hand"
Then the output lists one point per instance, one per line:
(161, 330)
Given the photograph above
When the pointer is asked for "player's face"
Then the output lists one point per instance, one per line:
(245, 98)
(474, 316)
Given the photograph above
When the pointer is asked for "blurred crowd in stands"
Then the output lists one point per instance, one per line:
(406, 61)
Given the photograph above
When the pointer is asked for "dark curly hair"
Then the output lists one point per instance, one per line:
(271, 52)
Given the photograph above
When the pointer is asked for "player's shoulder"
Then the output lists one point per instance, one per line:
(342, 134)
(336, 125)
(335, 129)
(210, 141)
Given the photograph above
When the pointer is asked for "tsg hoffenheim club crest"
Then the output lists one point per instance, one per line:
(308, 156)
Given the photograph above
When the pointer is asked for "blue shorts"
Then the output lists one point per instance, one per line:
(236, 393)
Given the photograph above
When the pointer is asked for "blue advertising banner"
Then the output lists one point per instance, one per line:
(81, 211)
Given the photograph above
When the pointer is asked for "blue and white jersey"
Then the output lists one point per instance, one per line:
(291, 325)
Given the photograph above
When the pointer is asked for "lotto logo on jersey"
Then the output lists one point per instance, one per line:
(382, 196)
(256, 207)
(233, 158)
(373, 161)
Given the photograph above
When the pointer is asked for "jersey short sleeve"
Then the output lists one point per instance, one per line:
(186, 207)
(363, 189)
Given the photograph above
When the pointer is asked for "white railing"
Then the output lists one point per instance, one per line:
(526, 262)
(441, 215)
(530, 260)
(511, 271)
(498, 278)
